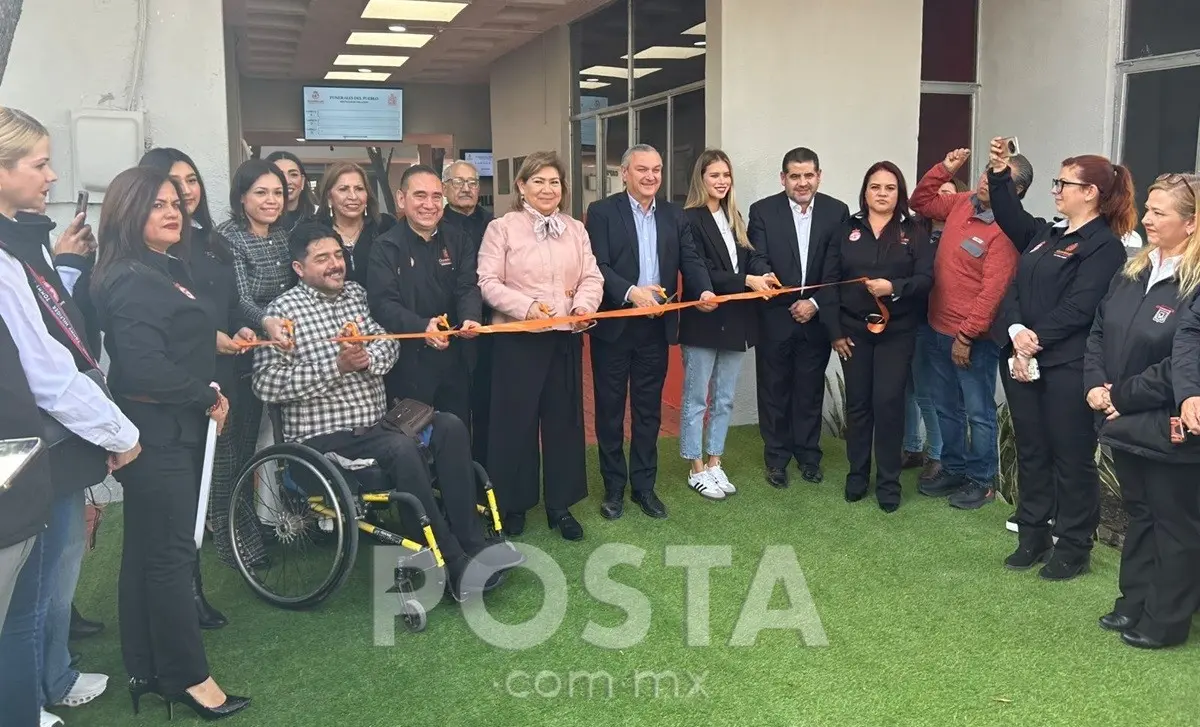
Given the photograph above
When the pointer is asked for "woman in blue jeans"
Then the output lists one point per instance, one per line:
(714, 344)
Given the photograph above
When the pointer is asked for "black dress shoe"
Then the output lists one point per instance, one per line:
(231, 706)
(613, 506)
(1027, 556)
(1062, 567)
(650, 504)
(210, 618)
(1114, 621)
(811, 473)
(514, 523)
(81, 628)
(777, 477)
(1139, 640)
(889, 507)
(565, 523)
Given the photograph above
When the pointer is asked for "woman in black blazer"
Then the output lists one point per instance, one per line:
(715, 343)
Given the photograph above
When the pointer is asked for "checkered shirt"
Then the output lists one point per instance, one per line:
(317, 398)
(262, 265)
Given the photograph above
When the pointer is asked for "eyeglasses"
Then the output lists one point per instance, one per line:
(1056, 185)
(468, 183)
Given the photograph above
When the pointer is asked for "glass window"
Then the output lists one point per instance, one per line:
(652, 130)
(668, 43)
(616, 141)
(945, 124)
(603, 38)
(1162, 125)
(948, 40)
(688, 137)
(1156, 27)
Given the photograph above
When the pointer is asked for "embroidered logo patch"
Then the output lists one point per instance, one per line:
(854, 235)
(1163, 312)
(445, 257)
(185, 291)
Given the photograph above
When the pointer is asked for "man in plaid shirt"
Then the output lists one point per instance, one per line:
(332, 397)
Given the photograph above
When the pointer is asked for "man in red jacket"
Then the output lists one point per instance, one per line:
(974, 265)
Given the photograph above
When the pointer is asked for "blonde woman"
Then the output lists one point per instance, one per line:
(348, 205)
(715, 343)
(1133, 381)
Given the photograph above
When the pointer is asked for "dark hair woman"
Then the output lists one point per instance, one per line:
(262, 268)
(887, 246)
(348, 205)
(1064, 270)
(162, 343)
(210, 263)
(300, 205)
(1142, 359)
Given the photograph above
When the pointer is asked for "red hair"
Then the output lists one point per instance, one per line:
(1115, 184)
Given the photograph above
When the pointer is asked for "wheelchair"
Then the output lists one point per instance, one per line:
(309, 510)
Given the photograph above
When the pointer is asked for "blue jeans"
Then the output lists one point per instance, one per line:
(706, 371)
(21, 643)
(966, 406)
(918, 405)
(64, 556)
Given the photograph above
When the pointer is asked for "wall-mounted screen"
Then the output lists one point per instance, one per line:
(353, 114)
(482, 159)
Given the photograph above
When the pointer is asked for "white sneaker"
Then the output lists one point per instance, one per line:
(706, 485)
(722, 480)
(86, 688)
(50, 720)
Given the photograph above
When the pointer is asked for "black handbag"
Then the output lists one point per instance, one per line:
(411, 418)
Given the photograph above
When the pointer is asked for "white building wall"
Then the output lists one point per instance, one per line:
(1047, 75)
(773, 85)
(70, 56)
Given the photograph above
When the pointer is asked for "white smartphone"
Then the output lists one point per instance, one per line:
(15, 456)
(1034, 373)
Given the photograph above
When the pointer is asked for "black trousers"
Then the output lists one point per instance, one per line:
(459, 532)
(481, 397)
(160, 631)
(876, 376)
(791, 395)
(537, 386)
(1056, 454)
(1160, 562)
(437, 378)
(635, 366)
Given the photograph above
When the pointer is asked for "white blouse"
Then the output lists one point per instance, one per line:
(727, 235)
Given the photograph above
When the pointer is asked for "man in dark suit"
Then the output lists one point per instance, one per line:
(794, 229)
(641, 244)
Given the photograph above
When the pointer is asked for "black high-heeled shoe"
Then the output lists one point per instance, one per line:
(139, 688)
(210, 618)
(231, 706)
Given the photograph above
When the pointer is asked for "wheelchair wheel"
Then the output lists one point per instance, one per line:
(414, 616)
(308, 521)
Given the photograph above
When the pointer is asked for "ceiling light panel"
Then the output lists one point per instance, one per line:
(389, 40)
(617, 71)
(357, 60)
(352, 76)
(418, 10)
(700, 29)
(593, 85)
(665, 52)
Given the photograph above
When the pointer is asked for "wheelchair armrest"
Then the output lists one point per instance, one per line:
(413, 503)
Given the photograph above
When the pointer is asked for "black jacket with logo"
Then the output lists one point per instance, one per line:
(902, 254)
(1060, 277)
(1130, 347)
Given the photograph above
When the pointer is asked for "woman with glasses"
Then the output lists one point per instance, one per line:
(873, 326)
(537, 263)
(1064, 270)
(349, 206)
(1143, 356)
(715, 343)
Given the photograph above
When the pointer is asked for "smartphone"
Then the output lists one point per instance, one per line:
(1178, 432)
(1014, 147)
(81, 204)
(15, 456)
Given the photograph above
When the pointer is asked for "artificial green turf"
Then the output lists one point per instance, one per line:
(924, 627)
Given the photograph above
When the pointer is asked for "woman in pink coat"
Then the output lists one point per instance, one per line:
(536, 263)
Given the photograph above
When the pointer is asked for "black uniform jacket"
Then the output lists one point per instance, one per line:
(613, 234)
(210, 264)
(394, 280)
(1060, 277)
(732, 326)
(772, 230)
(1130, 347)
(163, 346)
(902, 254)
(25, 504)
(1185, 354)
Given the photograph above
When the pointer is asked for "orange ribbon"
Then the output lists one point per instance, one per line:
(876, 322)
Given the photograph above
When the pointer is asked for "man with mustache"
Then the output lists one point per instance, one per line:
(333, 400)
(794, 228)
